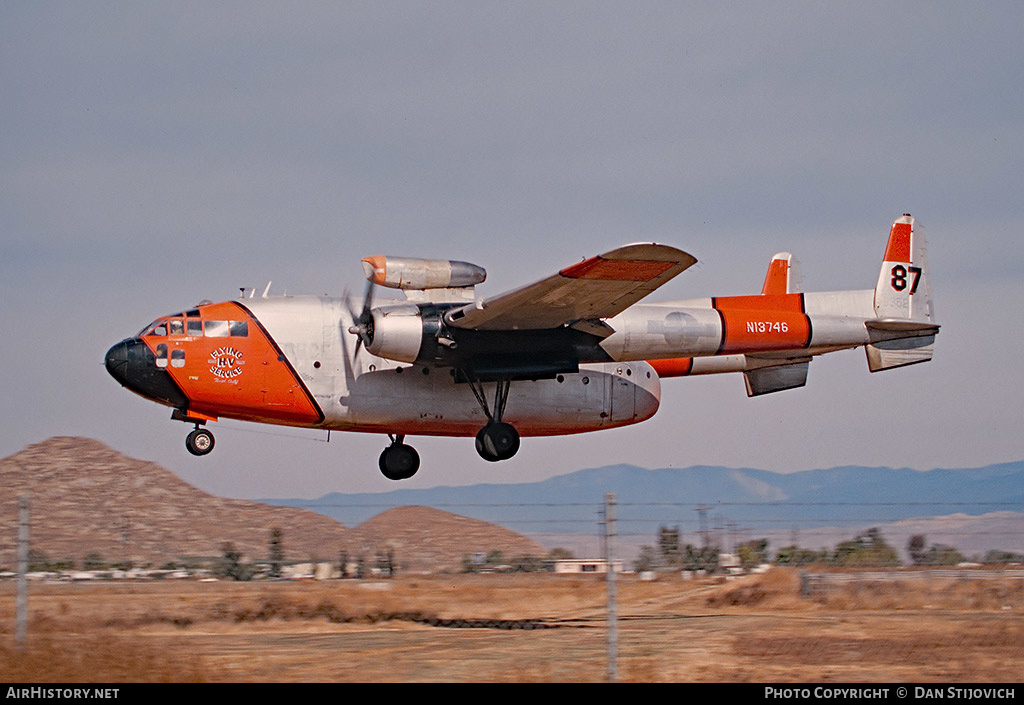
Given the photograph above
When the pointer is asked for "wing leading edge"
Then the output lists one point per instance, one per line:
(596, 288)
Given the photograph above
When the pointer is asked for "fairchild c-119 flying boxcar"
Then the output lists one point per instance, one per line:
(571, 353)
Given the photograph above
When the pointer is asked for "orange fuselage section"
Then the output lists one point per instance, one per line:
(226, 364)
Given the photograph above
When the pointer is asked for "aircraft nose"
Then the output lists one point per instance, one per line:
(134, 366)
(117, 362)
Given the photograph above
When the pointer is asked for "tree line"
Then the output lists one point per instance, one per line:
(868, 548)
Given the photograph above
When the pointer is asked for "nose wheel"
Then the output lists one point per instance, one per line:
(199, 442)
(399, 461)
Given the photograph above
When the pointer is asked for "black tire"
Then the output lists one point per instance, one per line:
(497, 441)
(199, 442)
(399, 462)
(481, 446)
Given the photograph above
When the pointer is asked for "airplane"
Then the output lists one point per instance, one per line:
(572, 353)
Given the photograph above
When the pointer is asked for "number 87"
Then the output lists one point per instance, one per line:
(899, 277)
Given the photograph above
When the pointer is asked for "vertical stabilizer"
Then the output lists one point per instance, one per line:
(903, 291)
(783, 275)
(903, 332)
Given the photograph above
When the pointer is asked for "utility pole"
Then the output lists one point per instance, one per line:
(613, 628)
(22, 606)
(702, 511)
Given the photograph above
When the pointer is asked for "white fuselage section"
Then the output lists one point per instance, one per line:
(359, 391)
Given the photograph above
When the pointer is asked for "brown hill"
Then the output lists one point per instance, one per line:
(423, 538)
(87, 498)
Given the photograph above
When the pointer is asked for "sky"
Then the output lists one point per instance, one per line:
(156, 154)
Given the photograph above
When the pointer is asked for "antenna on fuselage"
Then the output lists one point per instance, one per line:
(267, 290)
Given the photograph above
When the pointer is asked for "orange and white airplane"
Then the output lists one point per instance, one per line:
(571, 353)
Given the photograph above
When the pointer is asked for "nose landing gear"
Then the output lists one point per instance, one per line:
(399, 461)
(199, 442)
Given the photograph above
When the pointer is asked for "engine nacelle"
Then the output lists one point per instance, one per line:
(420, 274)
(396, 332)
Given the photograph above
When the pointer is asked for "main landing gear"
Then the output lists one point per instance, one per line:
(399, 461)
(497, 440)
(199, 442)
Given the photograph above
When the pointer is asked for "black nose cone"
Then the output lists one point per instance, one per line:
(117, 362)
(133, 365)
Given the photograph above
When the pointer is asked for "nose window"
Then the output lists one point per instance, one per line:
(161, 355)
(177, 358)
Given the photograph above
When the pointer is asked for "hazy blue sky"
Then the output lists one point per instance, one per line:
(156, 154)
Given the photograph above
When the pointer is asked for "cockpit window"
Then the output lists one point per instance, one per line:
(217, 329)
(156, 328)
(195, 327)
(223, 329)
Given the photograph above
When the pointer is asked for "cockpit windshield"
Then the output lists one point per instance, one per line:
(189, 324)
(157, 328)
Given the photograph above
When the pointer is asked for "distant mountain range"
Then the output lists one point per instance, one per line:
(753, 501)
(86, 498)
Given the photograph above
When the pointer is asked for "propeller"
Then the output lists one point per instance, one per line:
(362, 322)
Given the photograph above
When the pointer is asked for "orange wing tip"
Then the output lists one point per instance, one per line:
(617, 269)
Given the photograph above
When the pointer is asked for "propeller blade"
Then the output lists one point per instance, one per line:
(362, 322)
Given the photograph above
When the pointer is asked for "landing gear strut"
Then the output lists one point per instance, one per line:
(399, 461)
(199, 442)
(497, 440)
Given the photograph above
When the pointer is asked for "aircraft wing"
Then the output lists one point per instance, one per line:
(599, 287)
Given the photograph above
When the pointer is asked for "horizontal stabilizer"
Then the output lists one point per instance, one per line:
(766, 380)
(887, 354)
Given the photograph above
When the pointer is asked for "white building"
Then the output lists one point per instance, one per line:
(584, 565)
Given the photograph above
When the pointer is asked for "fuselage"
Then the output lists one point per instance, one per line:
(291, 361)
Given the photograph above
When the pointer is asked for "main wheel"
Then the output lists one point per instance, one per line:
(199, 442)
(399, 462)
(497, 441)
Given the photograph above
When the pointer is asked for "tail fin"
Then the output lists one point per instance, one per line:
(783, 275)
(903, 332)
(904, 288)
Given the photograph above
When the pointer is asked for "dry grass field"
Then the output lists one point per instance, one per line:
(515, 628)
